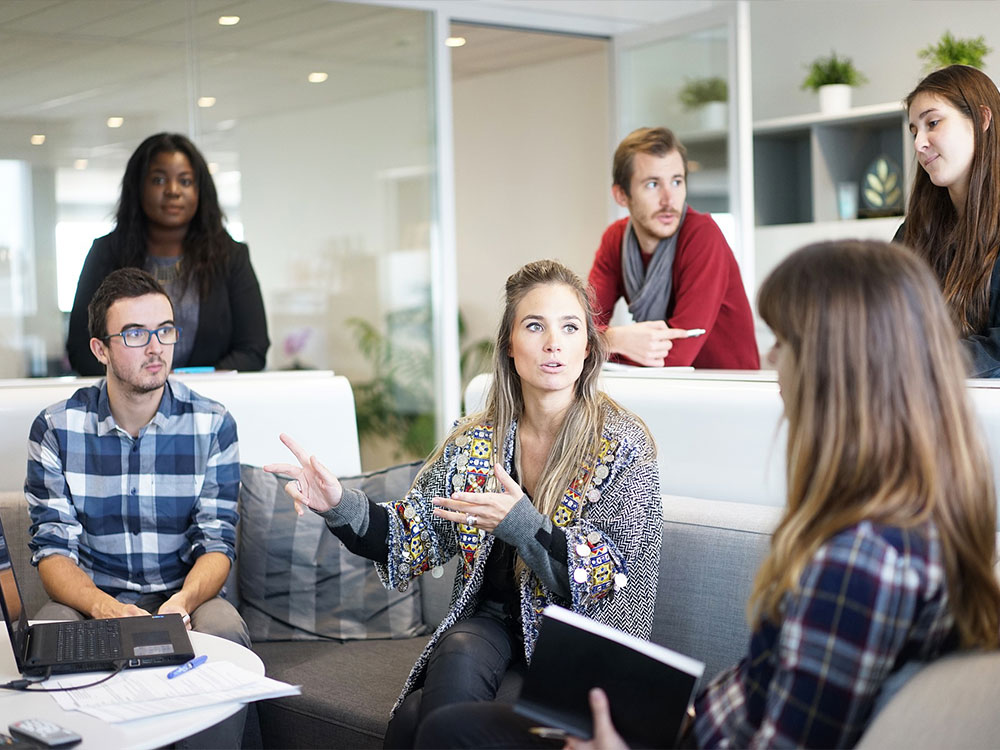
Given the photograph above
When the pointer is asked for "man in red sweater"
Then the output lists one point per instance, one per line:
(671, 264)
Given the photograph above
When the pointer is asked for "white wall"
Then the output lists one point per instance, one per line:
(532, 175)
(881, 36)
(318, 215)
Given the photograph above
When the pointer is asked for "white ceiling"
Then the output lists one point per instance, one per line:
(67, 65)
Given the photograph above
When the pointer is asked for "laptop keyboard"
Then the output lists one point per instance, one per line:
(90, 640)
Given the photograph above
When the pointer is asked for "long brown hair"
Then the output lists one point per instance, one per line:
(880, 426)
(961, 250)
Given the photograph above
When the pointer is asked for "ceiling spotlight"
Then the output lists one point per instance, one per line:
(37, 140)
(317, 77)
(206, 101)
(454, 41)
(116, 122)
(213, 167)
(80, 164)
(228, 20)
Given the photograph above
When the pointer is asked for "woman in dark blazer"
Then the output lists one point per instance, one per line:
(169, 223)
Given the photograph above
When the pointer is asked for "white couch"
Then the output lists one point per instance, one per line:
(720, 435)
(315, 407)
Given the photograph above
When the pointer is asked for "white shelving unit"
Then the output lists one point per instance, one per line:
(799, 160)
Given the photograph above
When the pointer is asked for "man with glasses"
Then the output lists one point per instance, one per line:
(132, 482)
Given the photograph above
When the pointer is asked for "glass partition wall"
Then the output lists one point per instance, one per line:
(318, 121)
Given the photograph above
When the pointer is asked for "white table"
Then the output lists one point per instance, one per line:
(132, 735)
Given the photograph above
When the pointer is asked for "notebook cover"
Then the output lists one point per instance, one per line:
(649, 687)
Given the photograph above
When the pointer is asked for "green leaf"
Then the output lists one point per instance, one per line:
(833, 69)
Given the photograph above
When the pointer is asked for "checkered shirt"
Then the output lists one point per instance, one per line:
(872, 598)
(133, 513)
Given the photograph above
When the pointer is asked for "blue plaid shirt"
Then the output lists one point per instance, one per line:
(872, 598)
(133, 513)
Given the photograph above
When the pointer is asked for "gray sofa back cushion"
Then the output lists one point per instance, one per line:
(710, 555)
(298, 582)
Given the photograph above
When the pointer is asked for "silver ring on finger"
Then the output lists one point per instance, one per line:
(471, 520)
(298, 486)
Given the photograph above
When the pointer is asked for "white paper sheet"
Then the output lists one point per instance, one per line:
(140, 693)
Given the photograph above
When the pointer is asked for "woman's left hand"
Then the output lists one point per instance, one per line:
(606, 737)
(484, 510)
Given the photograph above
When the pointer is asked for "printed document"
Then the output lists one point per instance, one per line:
(140, 693)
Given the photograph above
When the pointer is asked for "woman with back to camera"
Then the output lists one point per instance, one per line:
(885, 552)
(883, 556)
(549, 495)
(169, 223)
(953, 217)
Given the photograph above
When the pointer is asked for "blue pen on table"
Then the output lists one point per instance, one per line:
(195, 662)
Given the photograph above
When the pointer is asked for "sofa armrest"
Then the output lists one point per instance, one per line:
(16, 521)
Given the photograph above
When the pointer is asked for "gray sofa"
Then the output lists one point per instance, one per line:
(710, 552)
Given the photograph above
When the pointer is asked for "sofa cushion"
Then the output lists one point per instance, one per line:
(348, 690)
(711, 552)
(296, 579)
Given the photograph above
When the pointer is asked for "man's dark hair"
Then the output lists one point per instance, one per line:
(125, 283)
(655, 141)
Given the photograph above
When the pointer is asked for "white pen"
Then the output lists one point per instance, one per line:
(692, 332)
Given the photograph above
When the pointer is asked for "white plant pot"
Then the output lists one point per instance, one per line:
(834, 98)
(714, 116)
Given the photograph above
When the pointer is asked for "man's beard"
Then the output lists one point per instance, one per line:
(137, 387)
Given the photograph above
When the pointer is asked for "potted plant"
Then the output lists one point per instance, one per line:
(833, 77)
(710, 97)
(952, 51)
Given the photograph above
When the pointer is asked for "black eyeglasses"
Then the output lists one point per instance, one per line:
(136, 337)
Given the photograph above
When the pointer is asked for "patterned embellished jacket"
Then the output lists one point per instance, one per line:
(610, 513)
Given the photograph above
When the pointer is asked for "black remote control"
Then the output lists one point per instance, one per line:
(44, 732)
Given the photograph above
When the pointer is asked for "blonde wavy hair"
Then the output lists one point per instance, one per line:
(880, 426)
(581, 430)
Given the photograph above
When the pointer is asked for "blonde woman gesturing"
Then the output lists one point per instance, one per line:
(549, 495)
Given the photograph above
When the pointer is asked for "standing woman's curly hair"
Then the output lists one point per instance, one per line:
(961, 250)
(206, 241)
(880, 426)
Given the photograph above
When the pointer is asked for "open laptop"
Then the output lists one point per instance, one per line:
(91, 645)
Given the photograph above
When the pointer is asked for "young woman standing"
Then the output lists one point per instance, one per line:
(169, 223)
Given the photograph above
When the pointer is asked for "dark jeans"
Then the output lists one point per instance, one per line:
(467, 664)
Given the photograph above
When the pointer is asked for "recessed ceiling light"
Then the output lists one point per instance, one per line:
(213, 167)
(80, 164)
(206, 101)
(455, 41)
(37, 140)
(228, 20)
(225, 125)
(116, 122)
(317, 77)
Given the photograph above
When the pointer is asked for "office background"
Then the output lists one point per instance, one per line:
(403, 188)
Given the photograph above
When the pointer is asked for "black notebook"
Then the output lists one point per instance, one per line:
(649, 687)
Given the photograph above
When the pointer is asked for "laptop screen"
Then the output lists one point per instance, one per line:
(10, 601)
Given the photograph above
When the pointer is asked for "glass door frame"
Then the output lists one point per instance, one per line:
(735, 17)
(444, 259)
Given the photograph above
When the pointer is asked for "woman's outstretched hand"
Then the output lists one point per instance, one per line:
(485, 510)
(312, 485)
(606, 737)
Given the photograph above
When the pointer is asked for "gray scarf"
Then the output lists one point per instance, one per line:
(649, 288)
